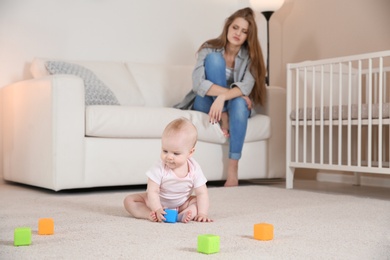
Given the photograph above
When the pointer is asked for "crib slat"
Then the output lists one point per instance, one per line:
(330, 115)
(322, 117)
(369, 101)
(375, 133)
(385, 99)
(339, 121)
(349, 135)
(304, 114)
(359, 154)
(313, 105)
(296, 115)
(380, 112)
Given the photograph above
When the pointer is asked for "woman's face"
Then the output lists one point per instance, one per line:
(238, 31)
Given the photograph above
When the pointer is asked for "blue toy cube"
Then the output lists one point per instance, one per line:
(171, 216)
(208, 244)
(22, 236)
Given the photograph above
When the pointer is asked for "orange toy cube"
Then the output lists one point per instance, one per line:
(263, 231)
(45, 226)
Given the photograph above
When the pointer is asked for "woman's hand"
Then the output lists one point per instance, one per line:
(202, 218)
(248, 102)
(216, 108)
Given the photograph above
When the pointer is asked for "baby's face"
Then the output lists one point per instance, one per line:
(176, 149)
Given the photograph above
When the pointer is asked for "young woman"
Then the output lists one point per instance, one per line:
(229, 77)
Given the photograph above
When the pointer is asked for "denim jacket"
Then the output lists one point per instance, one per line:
(200, 85)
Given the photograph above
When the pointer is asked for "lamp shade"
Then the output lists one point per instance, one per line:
(266, 5)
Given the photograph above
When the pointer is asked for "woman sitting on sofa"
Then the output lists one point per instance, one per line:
(229, 77)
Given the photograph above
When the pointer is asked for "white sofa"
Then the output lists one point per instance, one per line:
(53, 140)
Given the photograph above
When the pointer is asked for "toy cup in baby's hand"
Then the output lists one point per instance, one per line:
(171, 216)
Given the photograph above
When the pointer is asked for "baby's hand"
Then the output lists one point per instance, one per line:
(160, 215)
(202, 218)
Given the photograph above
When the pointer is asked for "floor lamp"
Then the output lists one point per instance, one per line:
(267, 8)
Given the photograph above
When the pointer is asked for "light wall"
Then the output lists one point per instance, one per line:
(318, 29)
(156, 31)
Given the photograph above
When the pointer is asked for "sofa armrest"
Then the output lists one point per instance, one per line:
(44, 131)
(275, 108)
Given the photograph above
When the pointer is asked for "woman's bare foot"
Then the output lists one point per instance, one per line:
(231, 183)
(185, 217)
(232, 174)
(153, 216)
(225, 124)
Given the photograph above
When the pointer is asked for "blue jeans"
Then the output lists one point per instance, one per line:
(237, 109)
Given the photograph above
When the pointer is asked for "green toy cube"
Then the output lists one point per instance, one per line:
(208, 244)
(22, 236)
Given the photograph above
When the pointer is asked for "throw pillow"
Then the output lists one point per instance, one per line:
(96, 92)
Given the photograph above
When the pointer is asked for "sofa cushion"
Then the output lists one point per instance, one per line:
(96, 92)
(149, 122)
(162, 85)
(129, 121)
(114, 74)
(145, 122)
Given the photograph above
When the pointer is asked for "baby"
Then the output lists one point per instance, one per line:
(172, 181)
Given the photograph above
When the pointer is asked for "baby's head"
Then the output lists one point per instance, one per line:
(178, 142)
(182, 130)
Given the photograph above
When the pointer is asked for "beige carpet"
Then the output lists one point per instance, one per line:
(93, 225)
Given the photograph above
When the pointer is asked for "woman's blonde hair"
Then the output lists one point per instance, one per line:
(257, 67)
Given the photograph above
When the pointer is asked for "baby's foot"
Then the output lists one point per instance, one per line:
(153, 216)
(186, 216)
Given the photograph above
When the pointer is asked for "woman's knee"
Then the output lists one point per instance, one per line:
(215, 68)
(239, 107)
(240, 102)
(202, 104)
(215, 59)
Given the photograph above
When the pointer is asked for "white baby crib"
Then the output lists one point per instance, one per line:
(338, 115)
